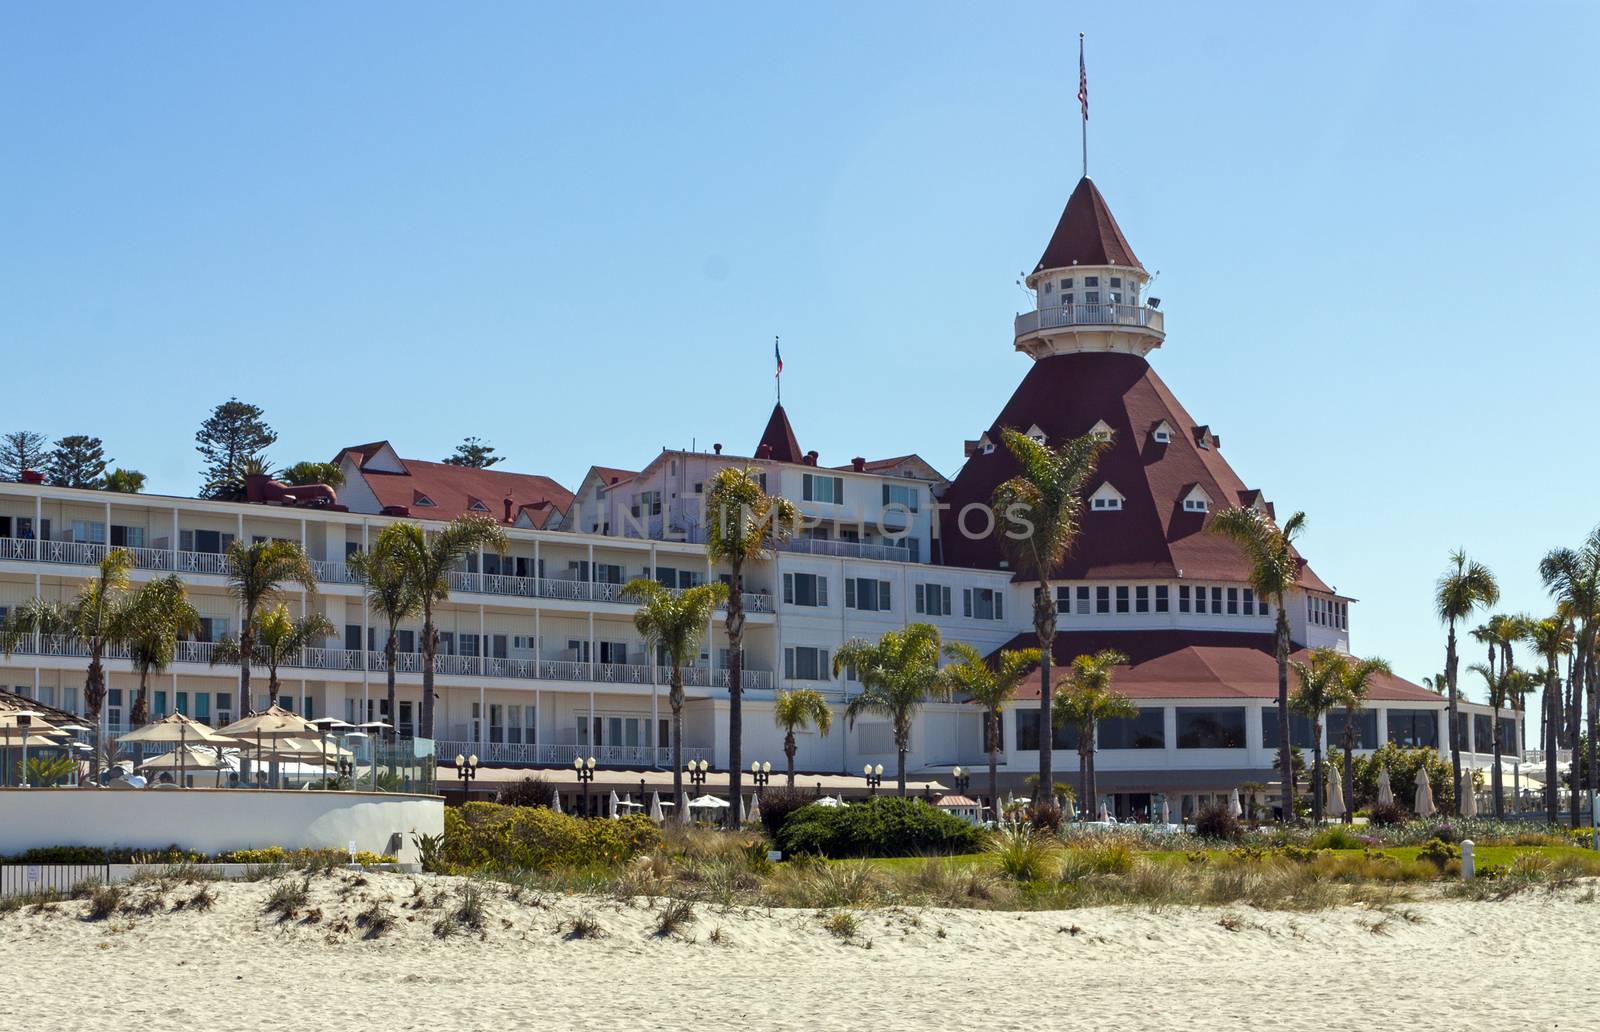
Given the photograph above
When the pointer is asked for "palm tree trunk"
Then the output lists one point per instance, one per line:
(1494, 780)
(675, 699)
(1318, 796)
(1085, 792)
(1455, 739)
(1573, 705)
(902, 742)
(1594, 721)
(1552, 742)
(1349, 769)
(391, 657)
(94, 695)
(1094, 787)
(141, 701)
(247, 651)
(735, 629)
(1285, 744)
(1044, 627)
(430, 647)
(789, 749)
(994, 772)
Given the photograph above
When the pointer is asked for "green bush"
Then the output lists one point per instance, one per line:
(1337, 836)
(491, 836)
(272, 856)
(1439, 853)
(1402, 764)
(884, 826)
(1216, 821)
(778, 803)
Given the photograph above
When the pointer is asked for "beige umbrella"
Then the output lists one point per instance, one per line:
(655, 808)
(1469, 796)
(1424, 801)
(1385, 790)
(180, 729)
(187, 758)
(1234, 806)
(274, 722)
(1335, 801)
(755, 808)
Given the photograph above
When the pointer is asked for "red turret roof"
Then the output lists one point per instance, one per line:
(778, 439)
(1087, 234)
(1152, 535)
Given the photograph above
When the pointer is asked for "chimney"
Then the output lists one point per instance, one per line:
(717, 448)
(811, 457)
(764, 451)
(31, 476)
(858, 464)
(508, 509)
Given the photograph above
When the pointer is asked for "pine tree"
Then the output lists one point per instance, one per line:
(475, 454)
(78, 461)
(20, 450)
(232, 438)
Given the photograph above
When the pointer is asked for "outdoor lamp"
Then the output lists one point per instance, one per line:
(461, 761)
(591, 763)
(577, 764)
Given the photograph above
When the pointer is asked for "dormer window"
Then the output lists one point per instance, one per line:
(478, 506)
(1035, 434)
(1197, 501)
(1101, 430)
(1162, 434)
(988, 447)
(424, 502)
(1106, 499)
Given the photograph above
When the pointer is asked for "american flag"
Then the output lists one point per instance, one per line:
(1083, 82)
(777, 355)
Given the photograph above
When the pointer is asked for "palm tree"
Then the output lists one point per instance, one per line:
(1438, 684)
(744, 524)
(898, 672)
(428, 559)
(159, 614)
(1573, 577)
(1464, 587)
(1500, 688)
(1042, 506)
(797, 710)
(1552, 638)
(97, 616)
(1318, 694)
(992, 687)
(391, 597)
(278, 639)
(1355, 683)
(257, 575)
(1274, 571)
(675, 622)
(1088, 700)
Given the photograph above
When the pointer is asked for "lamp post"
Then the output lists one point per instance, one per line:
(24, 721)
(585, 769)
(697, 772)
(760, 773)
(962, 780)
(466, 770)
(874, 775)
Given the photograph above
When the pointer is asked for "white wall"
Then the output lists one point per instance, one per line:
(210, 821)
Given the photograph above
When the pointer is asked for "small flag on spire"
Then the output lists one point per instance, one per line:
(1083, 81)
(777, 355)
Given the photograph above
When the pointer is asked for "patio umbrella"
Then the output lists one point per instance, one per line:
(655, 807)
(555, 800)
(709, 802)
(614, 804)
(1105, 815)
(1385, 791)
(828, 800)
(1166, 811)
(1469, 797)
(743, 816)
(1424, 801)
(755, 808)
(1234, 806)
(187, 758)
(179, 729)
(1335, 801)
(269, 724)
(1072, 810)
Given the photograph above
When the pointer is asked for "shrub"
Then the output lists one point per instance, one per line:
(103, 902)
(585, 926)
(1439, 853)
(530, 791)
(1216, 821)
(1337, 837)
(1387, 815)
(778, 803)
(300, 859)
(472, 912)
(1106, 856)
(491, 836)
(375, 920)
(1046, 818)
(1023, 854)
(884, 826)
(430, 852)
(1402, 764)
(842, 925)
(674, 917)
(287, 897)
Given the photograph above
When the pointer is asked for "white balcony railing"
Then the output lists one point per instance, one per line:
(1066, 316)
(492, 752)
(846, 549)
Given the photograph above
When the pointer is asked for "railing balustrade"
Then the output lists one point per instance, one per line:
(1063, 316)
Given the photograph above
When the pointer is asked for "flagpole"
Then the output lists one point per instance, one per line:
(1084, 104)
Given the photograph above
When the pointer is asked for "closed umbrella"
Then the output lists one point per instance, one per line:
(1469, 797)
(1234, 806)
(1166, 811)
(743, 815)
(1335, 802)
(1385, 792)
(614, 804)
(1072, 809)
(755, 808)
(1424, 801)
(655, 807)
(1105, 815)
(555, 800)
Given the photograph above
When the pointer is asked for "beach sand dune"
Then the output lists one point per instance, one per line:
(1523, 963)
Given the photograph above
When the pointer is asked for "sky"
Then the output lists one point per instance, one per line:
(574, 231)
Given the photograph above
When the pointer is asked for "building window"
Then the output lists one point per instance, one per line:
(1216, 600)
(646, 503)
(1366, 725)
(424, 502)
(1028, 733)
(1211, 727)
(1107, 504)
(1102, 599)
(933, 599)
(1091, 281)
(1300, 730)
(1122, 598)
(982, 604)
(1066, 299)
(804, 663)
(1146, 731)
(1199, 599)
(1066, 284)
(866, 594)
(1116, 281)
(1195, 505)
(1141, 599)
(1083, 600)
(805, 589)
(815, 488)
(1183, 598)
(1414, 727)
(1233, 601)
(1249, 601)
(903, 495)
(1091, 297)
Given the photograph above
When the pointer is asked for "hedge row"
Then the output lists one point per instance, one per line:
(491, 835)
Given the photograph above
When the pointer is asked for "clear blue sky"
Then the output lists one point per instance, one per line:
(575, 234)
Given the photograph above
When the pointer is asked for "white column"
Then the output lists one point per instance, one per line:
(483, 714)
(592, 735)
(538, 720)
(1383, 726)
(593, 659)
(175, 543)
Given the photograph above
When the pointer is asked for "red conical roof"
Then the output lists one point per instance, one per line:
(1087, 234)
(778, 438)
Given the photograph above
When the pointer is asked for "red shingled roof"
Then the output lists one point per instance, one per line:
(1152, 535)
(779, 438)
(453, 489)
(1087, 234)
(1179, 664)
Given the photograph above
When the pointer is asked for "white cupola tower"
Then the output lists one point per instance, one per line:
(1089, 290)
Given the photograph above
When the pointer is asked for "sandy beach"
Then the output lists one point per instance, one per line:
(1194, 968)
